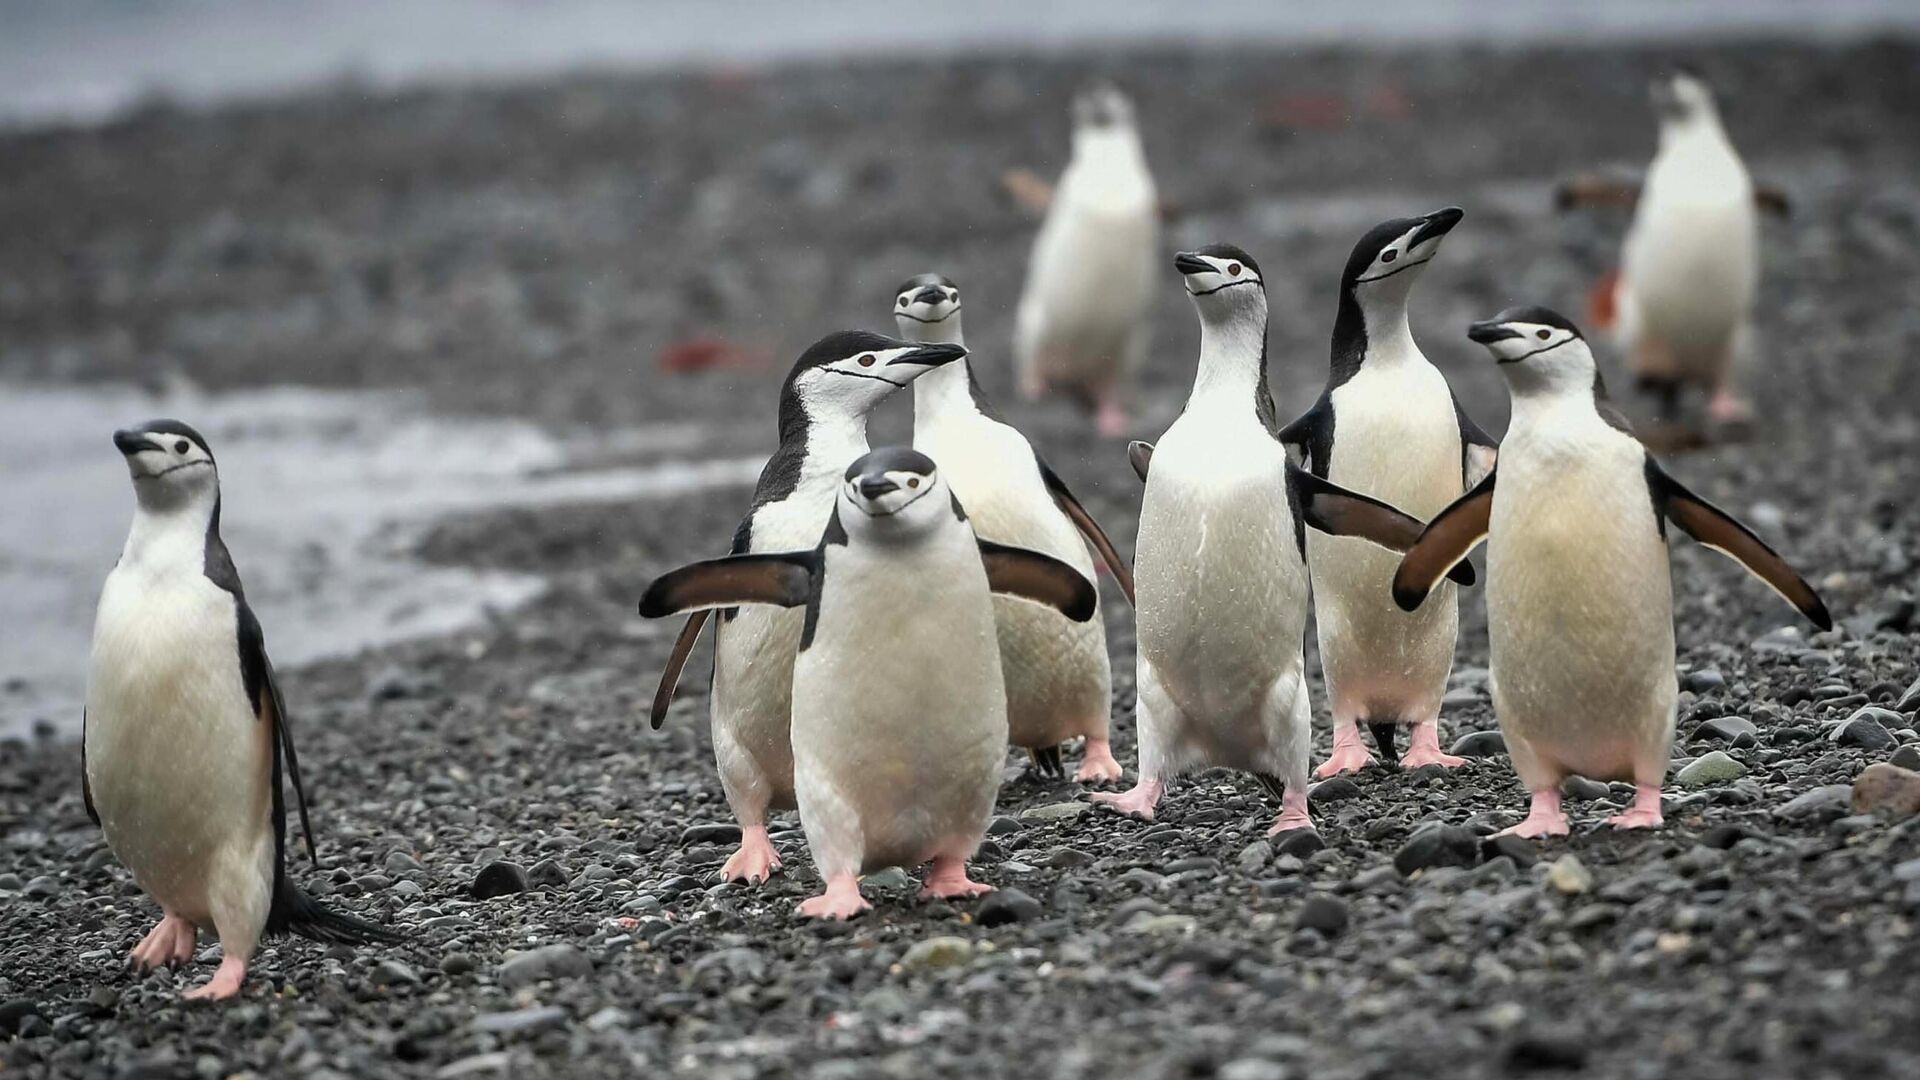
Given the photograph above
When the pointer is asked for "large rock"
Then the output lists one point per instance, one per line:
(498, 879)
(1867, 728)
(1436, 844)
(1004, 906)
(1815, 807)
(1479, 744)
(937, 952)
(1887, 789)
(1714, 767)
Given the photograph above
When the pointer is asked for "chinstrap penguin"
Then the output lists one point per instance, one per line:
(185, 734)
(1082, 326)
(1220, 565)
(1059, 683)
(1579, 596)
(1387, 425)
(824, 406)
(899, 715)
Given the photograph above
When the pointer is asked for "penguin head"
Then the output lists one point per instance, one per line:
(170, 463)
(1223, 281)
(893, 492)
(1101, 106)
(1388, 258)
(927, 308)
(846, 374)
(1538, 350)
(1681, 98)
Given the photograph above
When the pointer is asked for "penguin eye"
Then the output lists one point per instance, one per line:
(180, 446)
(903, 301)
(867, 360)
(1233, 269)
(913, 481)
(1389, 256)
(1543, 334)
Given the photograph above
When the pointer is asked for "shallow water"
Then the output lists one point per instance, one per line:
(324, 495)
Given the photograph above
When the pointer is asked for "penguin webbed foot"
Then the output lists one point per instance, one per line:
(170, 943)
(1097, 765)
(841, 900)
(1544, 817)
(1645, 812)
(226, 982)
(1136, 802)
(947, 880)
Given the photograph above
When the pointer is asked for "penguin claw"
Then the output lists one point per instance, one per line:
(1138, 802)
(948, 880)
(754, 861)
(1344, 759)
(841, 900)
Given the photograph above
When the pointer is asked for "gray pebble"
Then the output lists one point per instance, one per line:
(1479, 744)
(547, 962)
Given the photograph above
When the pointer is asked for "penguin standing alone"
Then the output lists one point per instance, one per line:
(1220, 564)
(1390, 426)
(1579, 595)
(824, 406)
(1059, 682)
(899, 716)
(185, 733)
(1082, 324)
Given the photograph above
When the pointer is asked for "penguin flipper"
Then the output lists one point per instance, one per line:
(269, 706)
(1312, 434)
(1594, 189)
(86, 786)
(1773, 201)
(677, 660)
(1089, 528)
(1140, 456)
(1444, 544)
(1479, 451)
(784, 579)
(1040, 578)
(1028, 189)
(1718, 530)
(1336, 511)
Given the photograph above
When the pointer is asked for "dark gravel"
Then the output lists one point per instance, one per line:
(533, 250)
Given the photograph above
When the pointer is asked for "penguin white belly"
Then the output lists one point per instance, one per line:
(178, 765)
(1221, 587)
(753, 672)
(1058, 677)
(900, 722)
(1580, 613)
(1691, 267)
(1089, 287)
(1396, 438)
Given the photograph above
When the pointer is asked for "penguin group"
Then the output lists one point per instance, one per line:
(888, 622)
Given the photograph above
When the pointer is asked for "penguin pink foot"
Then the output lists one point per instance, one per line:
(1544, 818)
(1097, 763)
(841, 900)
(948, 880)
(1293, 813)
(1349, 753)
(755, 860)
(1726, 407)
(1111, 419)
(1643, 814)
(226, 982)
(169, 942)
(1138, 801)
(1425, 748)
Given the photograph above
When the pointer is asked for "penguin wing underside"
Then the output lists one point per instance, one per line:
(1718, 530)
(1336, 511)
(1444, 545)
(1140, 456)
(784, 579)
(1089, 528)
(1479, 451)
(1040, 578)
(676, 662)
(1312, 434)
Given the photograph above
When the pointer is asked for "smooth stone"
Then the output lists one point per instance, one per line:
(1887, 789)
(393, 973)
(1069, 859)
(475, 1064)
(1907, 757)
(1435, 845)
(1520, 850)
(1333, 790)
(1910, 700)
(1055, 811)
(1569, 875)
(1323, 913)
(1703, 680)
(1299, 843)
(1254, 858)
(1725, 836)
(1581, 789)
(547, 962)
(520, 1021)
(938, 952)
(400, 864)
(1867, 728)
(1821, 805)
(1479, 744)
(1736, 730)
(498, 879)
(1004, 906)
(547, 874)
(712, 832)
(1002, 825)
(1713, 767)
(1162, 925)
(456, 963)
(891, 877)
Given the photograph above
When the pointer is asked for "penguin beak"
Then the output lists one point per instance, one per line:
(1188, 263)
(874, 485)
(929, 356)
(130, 442)
(1438, 224)
(932, 294)
(1486, 333)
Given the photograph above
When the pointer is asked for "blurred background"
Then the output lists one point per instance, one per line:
(472, 296)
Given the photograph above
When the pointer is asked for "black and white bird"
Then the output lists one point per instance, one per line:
(185, 736)
(1059, 680)
(1387, 425)
(1220, 565)
(824, 406)
(899, 718)
(1579, 595)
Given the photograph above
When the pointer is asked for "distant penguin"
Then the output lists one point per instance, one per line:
(1082, 327)
(1387, 425)
(1059, 684)
(1579, 598)
(1220, 563)
(823, 425)
(185, 733)
(899, 717)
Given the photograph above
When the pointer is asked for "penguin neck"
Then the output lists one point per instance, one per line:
(1372, 331)
(1232, 373)
(171, 532)
(832, 441)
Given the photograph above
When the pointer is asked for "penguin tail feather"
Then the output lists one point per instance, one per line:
(294, 912)
(1274, 785)
(1048, 761)
(1384, 733)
